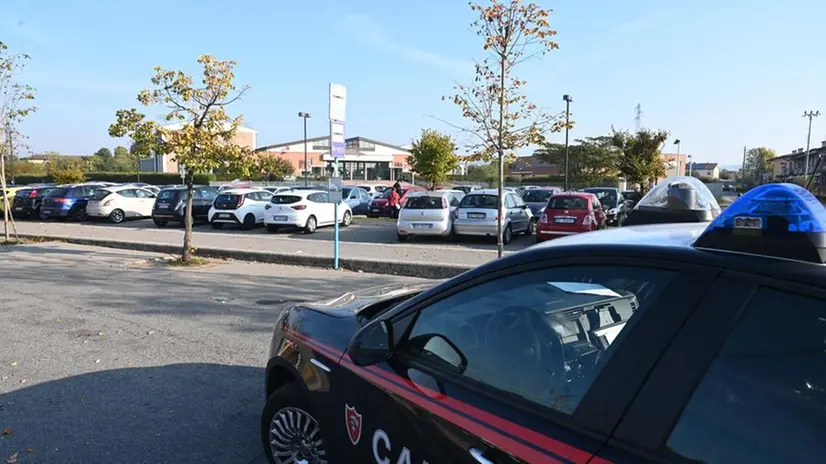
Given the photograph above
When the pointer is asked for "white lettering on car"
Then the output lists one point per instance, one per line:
(381, 436)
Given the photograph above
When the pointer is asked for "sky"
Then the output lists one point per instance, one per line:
(717, 75)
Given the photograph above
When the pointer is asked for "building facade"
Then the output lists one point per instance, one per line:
(167, 163)
(705, 170)
(364, 159)
(793, 164)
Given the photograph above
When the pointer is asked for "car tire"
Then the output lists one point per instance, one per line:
(117, 216)
(159, 223)
(402, 238)
(289, 412)
(507, 235)
(529, 230)
(216, 225)
(249, 222)
(311, 226)
(39, 213)
(347, 219)
(272, 228)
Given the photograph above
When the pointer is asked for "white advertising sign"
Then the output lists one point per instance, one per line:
(338, 102)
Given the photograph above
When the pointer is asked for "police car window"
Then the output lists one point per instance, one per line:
(763, 400)
(542, 335)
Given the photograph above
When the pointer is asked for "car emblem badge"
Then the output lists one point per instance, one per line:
(353, 421)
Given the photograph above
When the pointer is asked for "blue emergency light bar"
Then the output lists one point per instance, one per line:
(780, 220)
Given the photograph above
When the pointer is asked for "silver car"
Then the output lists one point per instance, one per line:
(476, 215)
(428, 213)
(537, 198)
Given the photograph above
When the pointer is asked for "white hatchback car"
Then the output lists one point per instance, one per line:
(305, 209)
(428, 213)
(119, 203)
(243, 207)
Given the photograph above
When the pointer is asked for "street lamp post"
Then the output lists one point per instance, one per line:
(568, 101)
(690, 166)
(677, 142)
(811, 115)
(305, 116)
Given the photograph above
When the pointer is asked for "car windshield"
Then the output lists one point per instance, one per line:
(537, 196)
(167, 195)
(285, 199)
(567, 202)
(58, 192)
(424, 202)
(480, 201)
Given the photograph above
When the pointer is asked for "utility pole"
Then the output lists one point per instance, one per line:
(568, 101)
(305, 116)
(810, 115)
(677, 142)
(743, 169)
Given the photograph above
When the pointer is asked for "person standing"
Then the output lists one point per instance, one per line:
(394, 201)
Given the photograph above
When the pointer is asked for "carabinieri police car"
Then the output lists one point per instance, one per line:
(678, 343)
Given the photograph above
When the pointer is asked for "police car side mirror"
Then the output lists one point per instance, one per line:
(371, 345)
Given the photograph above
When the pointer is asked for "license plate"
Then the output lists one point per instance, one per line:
(225, 216)
(279, 218)
(565, 220)
(47, 211)
(163, 205)
(422, 226)
(18, 208)
(476, 215)
(375, 210)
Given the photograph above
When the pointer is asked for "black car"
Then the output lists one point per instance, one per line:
(170, 205)
(673, 343)
(616, 206)
(27, 201)
(67, 201)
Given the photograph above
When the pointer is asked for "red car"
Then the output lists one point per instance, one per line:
(381, 206)
(570, 213)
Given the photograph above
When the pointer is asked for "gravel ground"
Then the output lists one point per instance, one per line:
(111, 357)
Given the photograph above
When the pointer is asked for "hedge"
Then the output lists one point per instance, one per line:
(156, 178)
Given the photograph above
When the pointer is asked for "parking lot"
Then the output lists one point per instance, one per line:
(110, 357)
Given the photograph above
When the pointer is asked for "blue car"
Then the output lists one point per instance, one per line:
(357, 198)
(67, 202)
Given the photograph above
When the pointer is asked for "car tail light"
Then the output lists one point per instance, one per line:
(240, 201)
(33, 194)
(589, 219)
(61, 200)
(544, 219)
(299, 207)
(107, 202)
(444, 203)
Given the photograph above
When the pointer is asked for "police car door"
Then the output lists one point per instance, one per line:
(497, 371)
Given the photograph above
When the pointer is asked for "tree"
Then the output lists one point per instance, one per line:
(201, 138)
(69, 174)
(15, 104)
(640, 160)
(758, 163)
(27, 168)
(123, 160)
(593, 159)
(101, 160)
(502, 120)
(433, 157)
(482, 173)
(273, 167)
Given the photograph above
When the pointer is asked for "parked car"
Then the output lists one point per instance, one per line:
(468, 188)
(119, 203)
(10, 192)
(537, 198)
(374, 190)
(380, 207)
(357, 198)
(428, 213)
(305, 209)
(170, 205)
(67, 202)
(241, 207)
(611, 199)
(152, 188)
(28, 201)
(275, 190)
(477, 215)
(570, 213)
(631, 196)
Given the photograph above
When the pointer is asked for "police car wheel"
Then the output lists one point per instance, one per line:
(289, 431)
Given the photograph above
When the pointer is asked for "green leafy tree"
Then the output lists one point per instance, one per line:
(501, 118)
(101, 160)
(273, 167)
(15, 104)
(758, 164)
(201, 134)
(433, 157)
(69, 174)
(591, 160)
(26, 168)
(123, 160)
(640, 160)
(483, 173)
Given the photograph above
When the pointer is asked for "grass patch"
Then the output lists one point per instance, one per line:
(194, 261)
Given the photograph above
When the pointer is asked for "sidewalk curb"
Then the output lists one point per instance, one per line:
(408, 269)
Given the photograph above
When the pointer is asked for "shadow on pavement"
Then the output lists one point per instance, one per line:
(179, 413)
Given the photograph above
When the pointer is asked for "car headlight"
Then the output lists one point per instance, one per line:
(613, 211)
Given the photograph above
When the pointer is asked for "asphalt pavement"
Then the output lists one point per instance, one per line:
(365, 239)
(109, 356)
